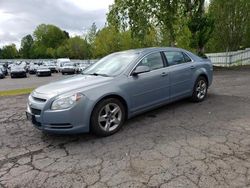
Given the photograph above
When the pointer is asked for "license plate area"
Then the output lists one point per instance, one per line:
(30, 117)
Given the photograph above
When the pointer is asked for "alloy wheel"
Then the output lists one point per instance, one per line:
(110, 117)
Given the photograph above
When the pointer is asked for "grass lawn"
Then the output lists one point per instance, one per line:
(16, 92)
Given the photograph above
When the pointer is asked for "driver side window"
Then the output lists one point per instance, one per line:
(153, 61)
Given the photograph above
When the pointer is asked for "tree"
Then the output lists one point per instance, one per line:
(9, 52)
(167, 18)
(74, 48)
(133, 15)
(26, 46)
(231, 24)
(107, 41)
(92, 33)
(167, 14)
(200, 24)
(49, 36)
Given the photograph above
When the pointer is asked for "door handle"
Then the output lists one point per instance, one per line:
(164, 74)
(192, 67)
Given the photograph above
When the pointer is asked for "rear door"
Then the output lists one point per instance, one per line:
(181, 73)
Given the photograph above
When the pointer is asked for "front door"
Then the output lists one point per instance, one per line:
(150, 88)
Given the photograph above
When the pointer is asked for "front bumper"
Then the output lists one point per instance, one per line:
(68, 71)
(18, 74)
(43, 73)
(68, 121)
(53, 69)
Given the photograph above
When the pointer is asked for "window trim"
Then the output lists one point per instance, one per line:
(139, 60)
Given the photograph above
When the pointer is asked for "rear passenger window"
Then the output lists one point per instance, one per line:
(187, 59)
(175, 58)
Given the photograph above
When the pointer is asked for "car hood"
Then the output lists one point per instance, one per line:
(43, 70)
(68, 67)
(18, 70)
(82, 82)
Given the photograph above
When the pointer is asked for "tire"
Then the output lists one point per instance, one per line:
(105, 120)
(200, 89)
(62, 73)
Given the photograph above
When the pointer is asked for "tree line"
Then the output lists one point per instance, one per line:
(221, 25)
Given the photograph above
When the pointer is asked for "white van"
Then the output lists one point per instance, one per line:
(60, 62)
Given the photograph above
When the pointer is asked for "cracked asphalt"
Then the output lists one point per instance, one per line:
(183, 144)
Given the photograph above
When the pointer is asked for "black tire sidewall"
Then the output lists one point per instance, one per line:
(94, 125)
(194, 95)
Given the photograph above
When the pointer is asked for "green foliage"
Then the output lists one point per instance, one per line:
(92, 33)
(180, 22)
(232, 25)
(26, 46)
(9, 52)
(49, 36)
(107, 41)
(222, 26)
(74, 48)
(201, 28)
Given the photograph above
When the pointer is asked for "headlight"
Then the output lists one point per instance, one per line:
(66, 102)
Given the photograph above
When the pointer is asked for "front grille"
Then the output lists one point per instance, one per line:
(35, 111)
(39, 99)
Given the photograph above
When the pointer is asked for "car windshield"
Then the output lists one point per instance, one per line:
(111, 65)
(17, 68)
(68, 65)
(43, 67)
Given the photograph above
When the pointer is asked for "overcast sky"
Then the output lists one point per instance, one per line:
(20, 17)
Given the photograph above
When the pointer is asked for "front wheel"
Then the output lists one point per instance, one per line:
(200, 89)
(108, 117)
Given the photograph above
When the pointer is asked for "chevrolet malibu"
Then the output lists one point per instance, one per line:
(118, 87)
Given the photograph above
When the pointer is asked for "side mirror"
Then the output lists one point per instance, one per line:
(140, 69)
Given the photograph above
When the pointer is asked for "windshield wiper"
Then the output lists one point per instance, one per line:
(98, 74)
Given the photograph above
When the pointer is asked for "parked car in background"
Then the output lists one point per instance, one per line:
(118, 87)
(43, 71)
(18, 72)
(60, 62)
(32, 68)
(11, 65)
(51, 65)
(2, 75)
(4, 70)
(81, 67)
(69, 68)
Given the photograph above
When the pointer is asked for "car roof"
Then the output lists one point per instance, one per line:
(150, 49)
(144, 51)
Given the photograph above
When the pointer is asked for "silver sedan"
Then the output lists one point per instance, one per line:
(118, 87)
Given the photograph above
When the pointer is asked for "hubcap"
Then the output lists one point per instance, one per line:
(110, 117)
(201, 89)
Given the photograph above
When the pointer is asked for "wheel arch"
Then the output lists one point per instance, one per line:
(116, 96)
(203, 75)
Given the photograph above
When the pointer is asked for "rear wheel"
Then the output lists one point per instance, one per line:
(108, 117)
(200, 89)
